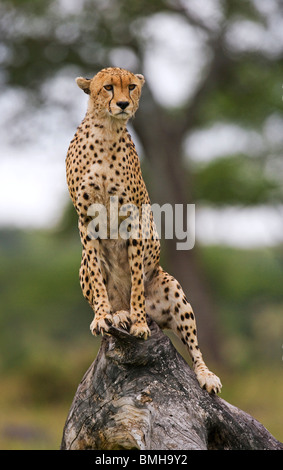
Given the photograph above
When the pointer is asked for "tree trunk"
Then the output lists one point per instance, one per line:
(143, 395)
(162, 138)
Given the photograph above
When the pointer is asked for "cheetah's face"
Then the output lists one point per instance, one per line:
(113, 92)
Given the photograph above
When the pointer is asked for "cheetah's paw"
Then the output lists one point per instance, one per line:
(208, 381)
(121, 318)
(140, 330)
(101, 324)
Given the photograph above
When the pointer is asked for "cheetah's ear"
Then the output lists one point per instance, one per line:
(141, 78)
(84, 84)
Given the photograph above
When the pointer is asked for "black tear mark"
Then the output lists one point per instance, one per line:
(109, 105)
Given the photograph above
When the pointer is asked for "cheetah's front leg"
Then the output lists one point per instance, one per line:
(139, 325)
(92, 284)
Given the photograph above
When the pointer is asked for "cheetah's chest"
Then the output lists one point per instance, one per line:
(104, 181)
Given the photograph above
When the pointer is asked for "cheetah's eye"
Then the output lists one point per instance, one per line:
(132, 86)
(108, 87)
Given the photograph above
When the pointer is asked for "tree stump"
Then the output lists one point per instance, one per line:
(143, 395)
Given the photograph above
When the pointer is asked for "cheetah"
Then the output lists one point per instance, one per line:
(121, 278)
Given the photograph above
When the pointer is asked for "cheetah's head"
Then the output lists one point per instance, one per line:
(114, 92)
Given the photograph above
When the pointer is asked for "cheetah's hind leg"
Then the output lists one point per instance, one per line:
(169, 307)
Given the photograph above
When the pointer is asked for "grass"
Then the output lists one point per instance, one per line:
(259, 393)
(36, 398)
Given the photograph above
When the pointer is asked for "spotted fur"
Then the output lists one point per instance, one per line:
(122, 279)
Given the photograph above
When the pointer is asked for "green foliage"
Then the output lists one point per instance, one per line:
(248, 287)
(243, 277)
(36, 7)
(246, 9)
(235, 180)
(40, 295)
(247, 91)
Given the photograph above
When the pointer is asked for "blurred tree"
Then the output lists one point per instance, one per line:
(238, 81)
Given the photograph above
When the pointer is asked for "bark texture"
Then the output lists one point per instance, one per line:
(143, 395)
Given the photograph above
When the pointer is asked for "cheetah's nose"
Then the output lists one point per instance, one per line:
(123, 104)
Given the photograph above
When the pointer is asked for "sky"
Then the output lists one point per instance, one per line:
(33, 189)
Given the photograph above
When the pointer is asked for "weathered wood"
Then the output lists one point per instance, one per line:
(143, 395)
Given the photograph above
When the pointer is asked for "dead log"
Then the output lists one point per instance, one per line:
(143, 395)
